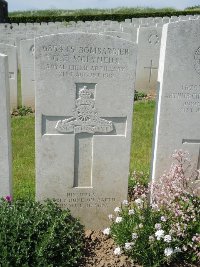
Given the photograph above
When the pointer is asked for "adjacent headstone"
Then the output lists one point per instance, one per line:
(3, 11)
(11, 52)
(148, 59)
(5, 135)
(178, 110)
(84, 103)
(27, 73)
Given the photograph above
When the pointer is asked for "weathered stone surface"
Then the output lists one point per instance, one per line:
(11, 52)
(178, 110)
(148, 59)
(123, 35)
(27, 73)
(5, 136)
(84, 102)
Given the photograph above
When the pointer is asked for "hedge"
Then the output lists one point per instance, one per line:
(115, 17)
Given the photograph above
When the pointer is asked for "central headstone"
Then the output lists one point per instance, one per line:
(84, 103)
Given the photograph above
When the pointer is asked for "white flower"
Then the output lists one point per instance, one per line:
(159, 234)
(117, 251)
(168, 252)
(131, 212)
(154, 206)
(125, 202)
(163, 219)
(118, 219)
(158, 226)
(151, 238)
(177, 249)
(140, 225)
(167, 238)
(128, 246)
(184, 248)
(106, 231)
(110, 216)
(117, 209)
(134, 236)
(139, 201)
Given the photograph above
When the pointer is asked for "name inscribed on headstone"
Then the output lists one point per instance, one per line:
(84, 61)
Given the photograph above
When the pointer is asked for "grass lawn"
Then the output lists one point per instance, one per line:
(24, 147)
(142, 133)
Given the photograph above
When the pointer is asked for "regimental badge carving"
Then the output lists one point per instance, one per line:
(154, 38)
(86, 118)
(197, 60)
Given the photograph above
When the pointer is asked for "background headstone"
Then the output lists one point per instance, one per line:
(11, 52)
(27, 73)
(148, 59)
(5, 135)
(84, 103)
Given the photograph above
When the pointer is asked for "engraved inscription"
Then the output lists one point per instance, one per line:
(84, 200)
(11, 75)
(86, 118)
(197, 60)
(188, 98)
(84, 62)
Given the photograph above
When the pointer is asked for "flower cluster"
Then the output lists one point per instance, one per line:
(168, 229)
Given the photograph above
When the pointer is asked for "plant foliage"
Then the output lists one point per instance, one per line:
(168, 230)
(35, 234)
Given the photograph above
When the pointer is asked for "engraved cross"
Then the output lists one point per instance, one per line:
(151, 68)
(84, 124)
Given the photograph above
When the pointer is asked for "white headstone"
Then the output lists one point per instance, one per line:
(178, 110)
(27, 73)
(84, 102)
(5, 135)
(11, 52)
(148, 59)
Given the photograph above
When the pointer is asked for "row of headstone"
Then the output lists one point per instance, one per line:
(143, 32)
(13, 33)
(84, 103)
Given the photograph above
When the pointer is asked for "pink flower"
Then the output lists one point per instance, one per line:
(8, 198)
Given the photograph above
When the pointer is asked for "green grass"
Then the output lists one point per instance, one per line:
(143, 119)
(24, 147)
